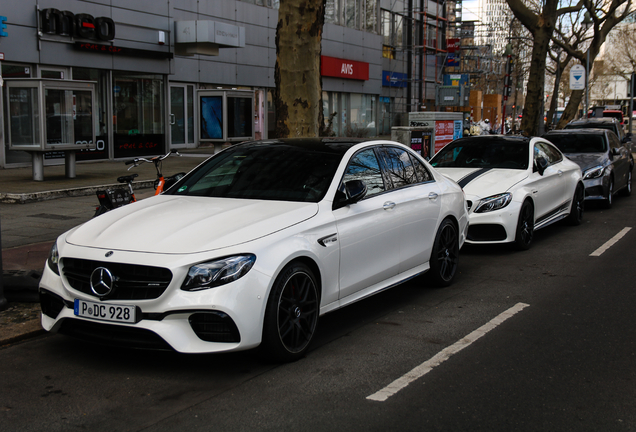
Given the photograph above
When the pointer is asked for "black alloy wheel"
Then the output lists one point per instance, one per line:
(292, 313)
(445, 255)
(525, 226)
(576, 212)
(607, 203)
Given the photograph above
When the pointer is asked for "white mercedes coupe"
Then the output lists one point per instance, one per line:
(253, 245)
(514, 186)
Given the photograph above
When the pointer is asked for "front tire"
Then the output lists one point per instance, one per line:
(576, 212)
(525, 226)
(607, 203)
(445, 255)
(291, 315)
(627, 190)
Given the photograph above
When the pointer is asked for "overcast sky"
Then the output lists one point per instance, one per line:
(470, 9)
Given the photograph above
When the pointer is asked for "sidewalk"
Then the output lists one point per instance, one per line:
(22, 265)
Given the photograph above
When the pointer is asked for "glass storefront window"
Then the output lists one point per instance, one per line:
(138, 114)
(24, 116)
(101, 77)
(16, 156)
(239, 113)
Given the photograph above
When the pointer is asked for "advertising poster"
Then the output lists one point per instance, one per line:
(444, 131)
(212, 117)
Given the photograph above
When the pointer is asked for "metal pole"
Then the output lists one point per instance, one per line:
(587, 82)
(631, 101)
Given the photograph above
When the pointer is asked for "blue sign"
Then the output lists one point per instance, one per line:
(452, 59)
(3, 26)
(394, 79)
(456, 80)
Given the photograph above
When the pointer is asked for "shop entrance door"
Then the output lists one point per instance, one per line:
(182, 116)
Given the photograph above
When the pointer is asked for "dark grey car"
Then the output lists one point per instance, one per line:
(606, 163)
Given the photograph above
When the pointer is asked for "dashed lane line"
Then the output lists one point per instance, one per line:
(611, 242)
(445, 354)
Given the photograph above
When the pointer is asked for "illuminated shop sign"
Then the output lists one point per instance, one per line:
(341, 68)
(65, 23)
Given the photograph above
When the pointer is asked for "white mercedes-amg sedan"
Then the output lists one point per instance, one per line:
(253, 245)
(514, 186)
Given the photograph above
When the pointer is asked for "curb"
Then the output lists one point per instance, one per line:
(23, 198)
(22, 331)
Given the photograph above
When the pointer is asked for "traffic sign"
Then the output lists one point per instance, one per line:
(577, 77)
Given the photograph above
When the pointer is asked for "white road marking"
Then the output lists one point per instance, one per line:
(442, 356)
(611, 242)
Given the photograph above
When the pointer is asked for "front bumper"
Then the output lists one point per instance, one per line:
(596, 189)
(494, 227)
(225, 318)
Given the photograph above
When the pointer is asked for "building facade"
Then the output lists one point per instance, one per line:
(141, 77)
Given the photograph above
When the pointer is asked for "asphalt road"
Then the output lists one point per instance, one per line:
(563, 360)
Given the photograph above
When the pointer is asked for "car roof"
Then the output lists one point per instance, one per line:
(572, 131)
(594, 120)
(495, 138)
(335, 145)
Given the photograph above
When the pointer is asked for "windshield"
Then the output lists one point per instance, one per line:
(480, 153)
(578, 143)
(279, 171)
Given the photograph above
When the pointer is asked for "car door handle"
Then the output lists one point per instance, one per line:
(560, 173)
(389, 205)
(432, 196)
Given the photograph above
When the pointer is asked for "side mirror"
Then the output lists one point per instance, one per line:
(349, 193)
(541, 163)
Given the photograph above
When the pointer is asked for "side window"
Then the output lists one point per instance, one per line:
(551, 154)
(365, 166)
(554, 153)
(539, 151)
(613, 141)
(399, 166)
(422, 173)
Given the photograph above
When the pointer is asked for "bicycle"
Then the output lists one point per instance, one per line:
(110, 199)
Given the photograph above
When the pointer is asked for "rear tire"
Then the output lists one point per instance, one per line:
(444, 256)
(291, 315)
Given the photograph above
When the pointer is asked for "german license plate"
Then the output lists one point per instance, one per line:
(105, 311)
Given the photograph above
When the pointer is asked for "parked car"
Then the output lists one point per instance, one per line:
(253, 245)
(605, 162)
(611, 113)
(608, 123)
(514, 186)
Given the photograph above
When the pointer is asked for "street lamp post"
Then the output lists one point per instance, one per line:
(507, 85)
(587, 23)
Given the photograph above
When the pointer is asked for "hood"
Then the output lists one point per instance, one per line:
(484, 182)
(182, 225)
(587, 160)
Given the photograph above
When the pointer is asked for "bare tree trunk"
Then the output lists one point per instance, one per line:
(298, 94)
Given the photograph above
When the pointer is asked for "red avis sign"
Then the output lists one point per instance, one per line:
(341, 68)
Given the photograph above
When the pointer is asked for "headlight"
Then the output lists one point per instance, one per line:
(494, 202)
(595, 172)
(54, 259)
(218, 272)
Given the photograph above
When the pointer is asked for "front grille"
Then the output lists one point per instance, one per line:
(116, 335)
(132, 282)
(214, 327)
(486, 232)
(469, 204)
(51, 304)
